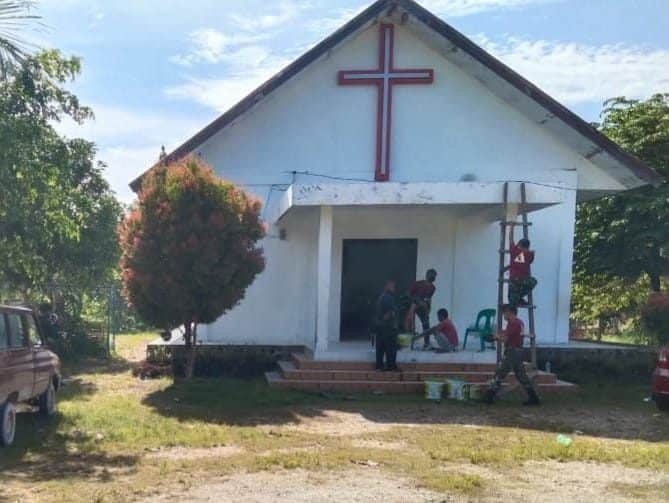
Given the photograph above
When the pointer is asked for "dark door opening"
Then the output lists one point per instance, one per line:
(366, 265)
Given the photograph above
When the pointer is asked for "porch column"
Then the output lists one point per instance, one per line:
(323, 281)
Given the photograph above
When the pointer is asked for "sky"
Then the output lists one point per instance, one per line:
(157, 71)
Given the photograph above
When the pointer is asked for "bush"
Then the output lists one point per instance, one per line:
(655, 317)
(220, 362)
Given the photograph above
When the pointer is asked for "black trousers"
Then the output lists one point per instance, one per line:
(512, 361)
(423, 313)
(386, 346)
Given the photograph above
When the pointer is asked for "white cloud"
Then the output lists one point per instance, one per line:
(458, 8)
(213, 46)
(286, 12)
(577, 73)
(222, 93)
(335, 20)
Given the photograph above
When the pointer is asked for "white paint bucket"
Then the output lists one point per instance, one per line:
(456, 389)
(434, 390)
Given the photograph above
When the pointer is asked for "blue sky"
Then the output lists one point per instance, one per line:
(156, 71)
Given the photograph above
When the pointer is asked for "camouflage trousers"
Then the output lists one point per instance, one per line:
(512, 360)
(519, 288)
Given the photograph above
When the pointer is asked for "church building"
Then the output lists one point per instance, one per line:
(382, 152)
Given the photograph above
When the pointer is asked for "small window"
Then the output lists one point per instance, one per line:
(30, 329)
(16, 339)
(4, 337)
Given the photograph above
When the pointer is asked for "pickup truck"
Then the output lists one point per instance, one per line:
(29, 372)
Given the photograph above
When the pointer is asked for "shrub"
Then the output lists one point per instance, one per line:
(655, 317)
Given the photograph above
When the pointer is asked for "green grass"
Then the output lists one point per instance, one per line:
(109, 423)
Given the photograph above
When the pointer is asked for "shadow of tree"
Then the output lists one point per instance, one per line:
(43, 451)
(601, 412)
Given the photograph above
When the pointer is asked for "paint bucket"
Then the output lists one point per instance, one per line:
(434, 390)
(456, 389)
(404, 340)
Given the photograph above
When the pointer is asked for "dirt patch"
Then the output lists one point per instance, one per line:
(566, 482)
(378, 444)
(185, 453)
(296, 486)
(532, 482)
(342, 424)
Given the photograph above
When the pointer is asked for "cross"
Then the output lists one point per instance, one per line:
(384, 78)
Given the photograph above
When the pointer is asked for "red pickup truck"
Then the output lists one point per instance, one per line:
(29, 372)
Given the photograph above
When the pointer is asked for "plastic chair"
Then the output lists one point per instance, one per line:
(483, 327)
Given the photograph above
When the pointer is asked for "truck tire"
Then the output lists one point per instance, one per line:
(7, 423)
(47, 401)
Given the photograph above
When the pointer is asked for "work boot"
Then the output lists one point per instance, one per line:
(532, 398)
(489, 396)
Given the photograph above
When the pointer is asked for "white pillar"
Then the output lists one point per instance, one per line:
(324, 279)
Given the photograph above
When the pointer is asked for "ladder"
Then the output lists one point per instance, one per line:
(504, 249)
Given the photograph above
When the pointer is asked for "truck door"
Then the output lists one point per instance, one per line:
(20, 357)
(6, 377)
(41, 355)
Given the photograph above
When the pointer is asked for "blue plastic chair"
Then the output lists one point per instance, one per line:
(483, 327)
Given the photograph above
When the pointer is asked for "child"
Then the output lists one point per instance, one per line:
(445, 333)
(512, 338)
(521, 282)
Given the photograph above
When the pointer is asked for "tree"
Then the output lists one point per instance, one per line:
(13, 15)
(58, 215)
(627, 235)
(189, 248)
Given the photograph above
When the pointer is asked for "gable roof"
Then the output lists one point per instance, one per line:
(576, 132)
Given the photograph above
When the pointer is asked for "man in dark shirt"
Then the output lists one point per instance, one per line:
(386, 328)
(512, 338)
(421, 293)
(521, 282)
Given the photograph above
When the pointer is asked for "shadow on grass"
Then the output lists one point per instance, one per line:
(617, 412)
(43, 451)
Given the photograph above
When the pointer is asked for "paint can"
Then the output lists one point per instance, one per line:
(434, 390)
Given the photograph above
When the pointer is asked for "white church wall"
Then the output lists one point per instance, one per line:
(442, 131)
(279, 307)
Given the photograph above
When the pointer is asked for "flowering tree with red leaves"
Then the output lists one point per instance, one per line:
(189, 248)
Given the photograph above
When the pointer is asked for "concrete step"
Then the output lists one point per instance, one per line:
(304, 362)
(291, 372)
(275, 379)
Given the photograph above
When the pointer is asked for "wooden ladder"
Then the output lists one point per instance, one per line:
(504, 249)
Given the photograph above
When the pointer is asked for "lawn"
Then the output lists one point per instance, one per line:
(119, 438)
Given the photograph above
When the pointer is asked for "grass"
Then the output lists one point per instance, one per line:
(101, 446)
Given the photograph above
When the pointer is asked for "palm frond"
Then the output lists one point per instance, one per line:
(15, 16)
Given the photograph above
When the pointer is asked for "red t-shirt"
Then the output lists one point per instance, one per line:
(422, 289)
(447, 328)
(514, 333)
(520, 262)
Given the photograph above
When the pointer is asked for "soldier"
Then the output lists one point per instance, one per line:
(386, 328)
(421, 293)
(521, 282)
(512, 338)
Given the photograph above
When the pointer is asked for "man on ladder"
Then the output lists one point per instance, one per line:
(521, 282)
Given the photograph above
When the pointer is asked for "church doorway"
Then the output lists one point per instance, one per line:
(366, 265)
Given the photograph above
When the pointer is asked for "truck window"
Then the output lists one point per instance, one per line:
(30, 329)
(4, 337)
(16, 339)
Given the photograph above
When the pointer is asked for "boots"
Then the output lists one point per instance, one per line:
(532, 398)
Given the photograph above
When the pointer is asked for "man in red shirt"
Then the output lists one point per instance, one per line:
(421, 293)
(512, 338)
(521, 282)
(445, 333)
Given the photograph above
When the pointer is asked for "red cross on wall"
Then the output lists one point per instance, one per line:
(384, 78)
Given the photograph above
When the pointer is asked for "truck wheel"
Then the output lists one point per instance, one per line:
(47, 401)
(7, 423)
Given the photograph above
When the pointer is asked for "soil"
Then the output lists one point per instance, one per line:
(532, 482)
